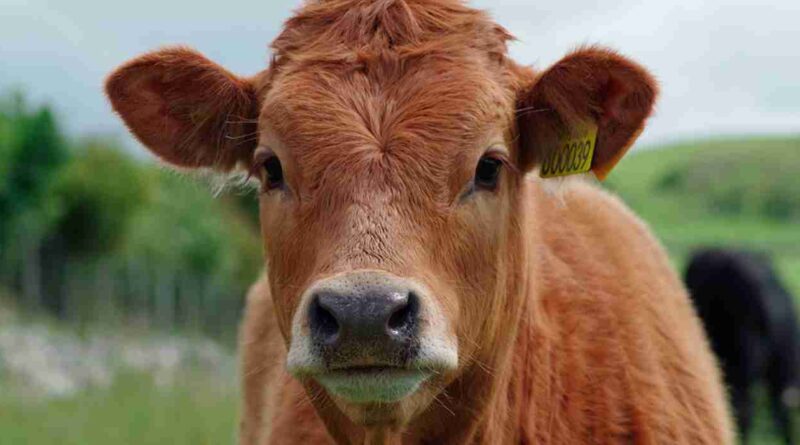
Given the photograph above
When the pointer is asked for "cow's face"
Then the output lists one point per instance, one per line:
(390, 190)
(386, 208)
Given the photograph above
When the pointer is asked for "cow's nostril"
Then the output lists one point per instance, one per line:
(323, 324)
(403, 319)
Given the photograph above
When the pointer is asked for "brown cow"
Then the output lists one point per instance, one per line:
(421, 288)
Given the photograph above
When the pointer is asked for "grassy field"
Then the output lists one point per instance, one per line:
(133, 411)
(738, 192)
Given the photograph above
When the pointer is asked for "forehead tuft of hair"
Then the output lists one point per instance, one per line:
(338, 31)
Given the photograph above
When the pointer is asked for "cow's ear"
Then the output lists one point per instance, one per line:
(591, 86)
(186, 109)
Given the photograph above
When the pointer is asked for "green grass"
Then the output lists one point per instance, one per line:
(132, 411)
(737, 192)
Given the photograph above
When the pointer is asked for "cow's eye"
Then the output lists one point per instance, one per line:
(487, 173)
(273, 173)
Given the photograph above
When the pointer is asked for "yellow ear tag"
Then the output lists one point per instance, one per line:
(574, 153)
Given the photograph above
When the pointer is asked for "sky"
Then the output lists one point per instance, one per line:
(725, 67)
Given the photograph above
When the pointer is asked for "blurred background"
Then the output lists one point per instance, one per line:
(121, 282)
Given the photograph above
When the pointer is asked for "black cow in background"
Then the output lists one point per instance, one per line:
(752, 324)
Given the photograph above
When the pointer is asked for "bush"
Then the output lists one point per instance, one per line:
(98, 192)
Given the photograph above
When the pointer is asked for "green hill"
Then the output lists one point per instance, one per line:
(742, 192)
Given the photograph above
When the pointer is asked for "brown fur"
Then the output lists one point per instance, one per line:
(571, 325)
(598, 359)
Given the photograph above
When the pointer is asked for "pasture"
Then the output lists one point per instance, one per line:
(734, 191)
(133, 410)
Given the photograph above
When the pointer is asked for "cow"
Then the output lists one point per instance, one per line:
(422, 284)
(752, 323)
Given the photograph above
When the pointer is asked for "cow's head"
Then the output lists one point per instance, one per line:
(390, 140)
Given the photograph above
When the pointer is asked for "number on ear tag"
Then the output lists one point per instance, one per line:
(573, 155)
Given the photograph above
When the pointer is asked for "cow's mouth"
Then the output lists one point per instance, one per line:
(372, 384)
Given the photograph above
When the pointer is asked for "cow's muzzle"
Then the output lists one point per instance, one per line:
(369, 336)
